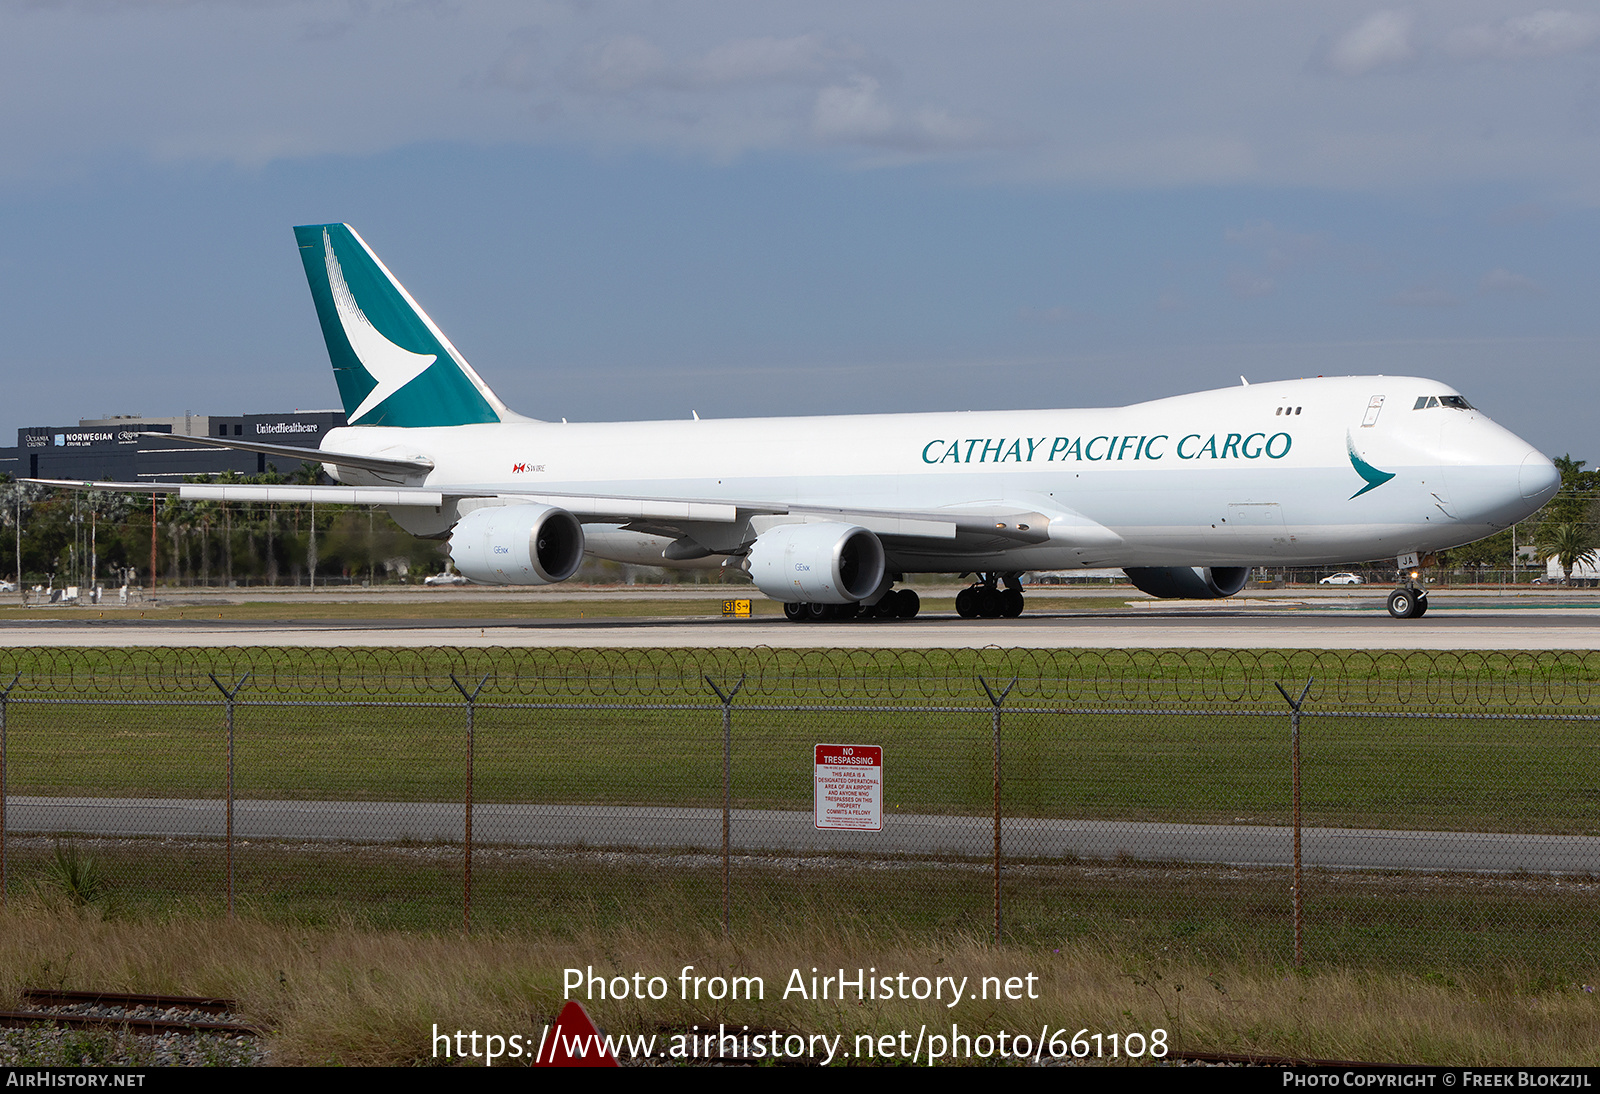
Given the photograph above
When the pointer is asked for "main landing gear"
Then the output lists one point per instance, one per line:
(894, 604)
(986, 600)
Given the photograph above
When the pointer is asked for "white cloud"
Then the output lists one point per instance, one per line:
(1057, 314)
(1546, 33)
(855, 113)
(520, 67)
(1381, 40)
(749, 60)
(1514, 284)
(1423, 296)
(620, 64)
(1278, 248)
(629, 62)
(852, 112)
(1249, 286)
(1162, 94)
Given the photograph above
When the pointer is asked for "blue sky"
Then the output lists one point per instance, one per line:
(629, 210)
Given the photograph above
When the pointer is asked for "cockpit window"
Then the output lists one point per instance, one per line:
(1454, 402)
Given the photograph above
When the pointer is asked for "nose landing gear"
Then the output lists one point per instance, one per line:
(1410, 600)
(1408, 603)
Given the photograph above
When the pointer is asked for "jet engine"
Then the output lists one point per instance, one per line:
(517, 545)
(1188, 582)
(817, 563)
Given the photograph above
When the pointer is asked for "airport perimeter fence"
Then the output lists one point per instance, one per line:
(1447, 801)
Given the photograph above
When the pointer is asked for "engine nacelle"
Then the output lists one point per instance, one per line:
(817, 563)
(1188, 582)
(517, 545)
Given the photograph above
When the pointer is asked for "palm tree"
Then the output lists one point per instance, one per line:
(1567, 543)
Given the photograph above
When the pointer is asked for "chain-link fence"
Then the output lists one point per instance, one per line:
(1448, 801)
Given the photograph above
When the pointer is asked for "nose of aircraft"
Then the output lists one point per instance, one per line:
(1538, 478)
(1495, 477)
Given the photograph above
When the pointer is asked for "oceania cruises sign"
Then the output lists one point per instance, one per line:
(1191, 446)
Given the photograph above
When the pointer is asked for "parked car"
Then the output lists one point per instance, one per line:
(1342, 579)
(446, 578)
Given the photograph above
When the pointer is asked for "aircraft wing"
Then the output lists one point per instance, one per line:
(997, 523)
(615, 510)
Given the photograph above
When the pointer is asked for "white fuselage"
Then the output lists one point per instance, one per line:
(1324, 470)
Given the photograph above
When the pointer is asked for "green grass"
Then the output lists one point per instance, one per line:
(1366, 772)
(1399, 921)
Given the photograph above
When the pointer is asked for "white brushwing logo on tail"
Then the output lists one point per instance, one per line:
(392, 366)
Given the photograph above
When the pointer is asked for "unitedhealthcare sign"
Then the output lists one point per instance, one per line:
(278, 429)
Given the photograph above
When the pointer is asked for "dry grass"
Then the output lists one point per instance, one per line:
(354, 996)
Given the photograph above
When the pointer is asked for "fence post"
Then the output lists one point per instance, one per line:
(5, 698)
(227, 699)
(727, 787)
(995, 701)
(1294, 734)
(466, 891)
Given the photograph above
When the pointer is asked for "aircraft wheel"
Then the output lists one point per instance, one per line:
(1011, 603)
(794, 612)
(967, 603)
(819, 613)
(847, 611)
(1421, 608)
(1403, 604)
(910, 604)
(888, 607)
(989, 603)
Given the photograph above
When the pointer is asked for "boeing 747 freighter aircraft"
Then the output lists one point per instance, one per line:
(828, 514)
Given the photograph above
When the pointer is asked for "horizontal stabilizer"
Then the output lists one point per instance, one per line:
(417, 466)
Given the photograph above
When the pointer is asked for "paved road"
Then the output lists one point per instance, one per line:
(755, 830)
(1218, 627)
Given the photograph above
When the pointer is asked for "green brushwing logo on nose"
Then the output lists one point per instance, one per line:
(1372, 475)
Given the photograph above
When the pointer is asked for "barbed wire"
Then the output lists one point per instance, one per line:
(1425, 679)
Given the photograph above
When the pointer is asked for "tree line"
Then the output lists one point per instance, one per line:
(98, 537)
(84, 538)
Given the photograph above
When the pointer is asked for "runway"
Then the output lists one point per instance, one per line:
(1223, 626)
(756, 831)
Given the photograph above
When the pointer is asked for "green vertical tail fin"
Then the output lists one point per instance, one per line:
(393, 366)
